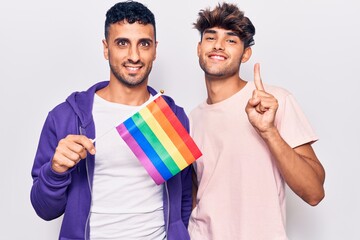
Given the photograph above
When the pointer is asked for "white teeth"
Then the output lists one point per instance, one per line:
(133, 68)
(218, 57)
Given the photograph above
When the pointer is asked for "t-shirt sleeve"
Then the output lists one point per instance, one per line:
(293, 125)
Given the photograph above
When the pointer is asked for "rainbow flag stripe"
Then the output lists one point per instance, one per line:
(159, 140)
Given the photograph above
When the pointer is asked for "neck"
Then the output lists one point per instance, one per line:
(119, 93)
(221, 89)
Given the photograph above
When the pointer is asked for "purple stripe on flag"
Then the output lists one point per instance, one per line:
(145, 161)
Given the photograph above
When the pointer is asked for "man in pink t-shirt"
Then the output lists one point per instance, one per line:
(254, 139)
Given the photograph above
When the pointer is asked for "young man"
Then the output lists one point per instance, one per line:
(254, 139)
(102, 189)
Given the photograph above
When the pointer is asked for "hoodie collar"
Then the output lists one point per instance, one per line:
(82, 102)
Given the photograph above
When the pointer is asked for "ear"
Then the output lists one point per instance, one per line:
(106, 49)
(246, 55)
(156, 43)
(198, 49)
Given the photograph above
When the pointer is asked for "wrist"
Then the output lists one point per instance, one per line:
(270, 134)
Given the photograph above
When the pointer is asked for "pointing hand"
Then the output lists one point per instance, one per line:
(262, 106)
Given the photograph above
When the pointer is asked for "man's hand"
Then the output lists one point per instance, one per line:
(70, 151)
(261, 108)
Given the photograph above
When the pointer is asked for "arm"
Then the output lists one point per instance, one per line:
(186, 202)
(48, 192)
(195, 186)
(52, 170)
(300, 168)
(186, 174)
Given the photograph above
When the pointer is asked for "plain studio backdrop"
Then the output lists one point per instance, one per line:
(52, 48)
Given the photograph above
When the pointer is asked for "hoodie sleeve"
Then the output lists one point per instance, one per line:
(186, 195)
(186, 174)
(49, 190)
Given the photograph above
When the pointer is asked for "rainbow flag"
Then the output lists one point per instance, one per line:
(159, 140)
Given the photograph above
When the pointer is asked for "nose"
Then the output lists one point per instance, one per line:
(134, 54)
(218, 44)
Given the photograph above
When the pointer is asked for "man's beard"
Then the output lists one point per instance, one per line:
(219, 72)
(126, 80)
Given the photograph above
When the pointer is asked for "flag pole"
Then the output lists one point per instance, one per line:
(140, 107)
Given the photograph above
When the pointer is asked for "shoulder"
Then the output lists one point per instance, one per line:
(280, 93)
(196, 111)
(277, 91)
(61, 109)
(169, 100)
(178, 111)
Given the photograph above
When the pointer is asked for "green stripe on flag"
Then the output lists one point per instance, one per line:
(155, 143)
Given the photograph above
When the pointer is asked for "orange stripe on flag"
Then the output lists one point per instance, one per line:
(171, 132)
(179, 128)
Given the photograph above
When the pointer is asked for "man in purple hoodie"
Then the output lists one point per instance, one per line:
(100, 188)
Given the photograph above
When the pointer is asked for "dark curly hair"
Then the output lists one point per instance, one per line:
(229, 17)
(130, 11)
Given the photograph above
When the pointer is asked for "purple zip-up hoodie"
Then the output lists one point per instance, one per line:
(69, 193)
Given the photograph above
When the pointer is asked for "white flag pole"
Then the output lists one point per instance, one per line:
(152, 98)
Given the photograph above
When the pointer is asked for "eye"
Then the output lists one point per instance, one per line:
(232, 41)
(122, 42)
(209, 38)
(145, 44)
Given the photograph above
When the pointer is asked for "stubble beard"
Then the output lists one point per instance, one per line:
(219, 71)
(130, 81)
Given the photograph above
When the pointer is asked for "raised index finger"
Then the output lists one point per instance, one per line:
(257, 77)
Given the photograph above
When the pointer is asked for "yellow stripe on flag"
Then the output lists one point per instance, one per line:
(163, 138)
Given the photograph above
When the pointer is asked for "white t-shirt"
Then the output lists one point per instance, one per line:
(241, 194)
(126, 203)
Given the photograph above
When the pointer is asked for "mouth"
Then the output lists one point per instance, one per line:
(217, 56)
(133, 68)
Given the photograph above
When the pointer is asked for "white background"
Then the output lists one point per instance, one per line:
(51, 48)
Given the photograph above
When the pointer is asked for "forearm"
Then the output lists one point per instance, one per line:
(302, 172)
(49, 193)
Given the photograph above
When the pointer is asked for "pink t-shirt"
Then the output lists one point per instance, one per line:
(241, 194)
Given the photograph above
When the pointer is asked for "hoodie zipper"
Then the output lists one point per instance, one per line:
(88, 217)
(82, 132)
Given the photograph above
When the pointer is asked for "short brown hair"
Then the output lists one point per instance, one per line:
(229, 17)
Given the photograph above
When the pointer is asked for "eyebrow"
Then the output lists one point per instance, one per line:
(128, 40)
(209, 31)
(229, 33)
(146, 39)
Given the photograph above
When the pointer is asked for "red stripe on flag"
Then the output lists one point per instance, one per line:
(178, 127)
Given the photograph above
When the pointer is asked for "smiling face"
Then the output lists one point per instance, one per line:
(130, 50)
(221, 52)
